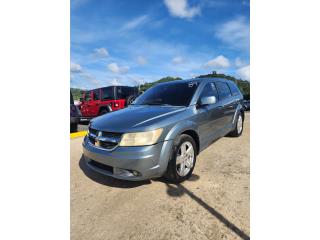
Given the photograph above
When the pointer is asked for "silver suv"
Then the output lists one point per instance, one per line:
(164, 130)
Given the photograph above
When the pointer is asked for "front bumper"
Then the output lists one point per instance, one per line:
(148, 161)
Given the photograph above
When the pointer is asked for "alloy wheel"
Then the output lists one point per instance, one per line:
(185, 159)
(239, 124)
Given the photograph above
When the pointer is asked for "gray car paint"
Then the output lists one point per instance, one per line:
(208, 122)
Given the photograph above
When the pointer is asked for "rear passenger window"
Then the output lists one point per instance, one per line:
(223, 90)
(234, 89)
(209, 90)
(96, 94)
(107, 93)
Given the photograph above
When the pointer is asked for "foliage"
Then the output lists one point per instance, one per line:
(243, 85)
(76, 92)
(145, 86)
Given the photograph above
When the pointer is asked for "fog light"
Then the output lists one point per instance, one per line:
(136, 173)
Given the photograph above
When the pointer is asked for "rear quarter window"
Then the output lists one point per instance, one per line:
(234, 89)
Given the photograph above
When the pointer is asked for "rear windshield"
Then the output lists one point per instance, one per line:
(176, 94)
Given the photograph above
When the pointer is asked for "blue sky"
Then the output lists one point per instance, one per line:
(131, 42)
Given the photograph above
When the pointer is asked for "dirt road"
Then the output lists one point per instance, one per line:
(213, 204)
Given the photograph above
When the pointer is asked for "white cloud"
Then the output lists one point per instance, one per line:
(141, 60)
(180, 8)
(218, 62)
(101, 52)
(134, 23)
(244, 72)
(115, 81)
(90, 78)
(236, 33)
(137, 80)
(238, 62)
(113, 67)
(75, 68)
(177, 60)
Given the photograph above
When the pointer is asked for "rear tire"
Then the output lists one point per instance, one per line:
(182, 160)
(238, 129)
(130, 99)
(103, 111)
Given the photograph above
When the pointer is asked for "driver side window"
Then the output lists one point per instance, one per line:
(209, 90)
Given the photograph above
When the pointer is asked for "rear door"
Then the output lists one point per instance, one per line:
(227, 102)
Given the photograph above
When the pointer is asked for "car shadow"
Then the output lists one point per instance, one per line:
(178, 190)
(106, 180)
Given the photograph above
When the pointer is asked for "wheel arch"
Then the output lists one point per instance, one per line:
(192, 133)
(108, 107)
(185, 127)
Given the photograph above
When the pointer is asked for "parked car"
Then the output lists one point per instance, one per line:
(75, 115)
(100, 101)
(246, 105)
(164, 130)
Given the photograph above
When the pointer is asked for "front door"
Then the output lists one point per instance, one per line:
(210, 116)
(90, 104)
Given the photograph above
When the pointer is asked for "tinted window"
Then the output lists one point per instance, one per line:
(107, 93)
(124, 92)
(234, 89)
(223, 90)
(96, 94)
(209, 90)
(87, 96)
(119, 91)
(176, 94)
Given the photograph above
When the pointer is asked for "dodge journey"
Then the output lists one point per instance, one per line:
(163, 130)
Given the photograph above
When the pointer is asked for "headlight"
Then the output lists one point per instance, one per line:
(141, 138)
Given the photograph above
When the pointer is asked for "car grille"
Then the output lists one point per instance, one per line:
(104, 140)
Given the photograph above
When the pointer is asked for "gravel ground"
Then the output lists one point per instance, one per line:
(213, 204)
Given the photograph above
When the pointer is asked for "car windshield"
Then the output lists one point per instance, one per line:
(175, 94)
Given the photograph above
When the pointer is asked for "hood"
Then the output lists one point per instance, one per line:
(133, 118)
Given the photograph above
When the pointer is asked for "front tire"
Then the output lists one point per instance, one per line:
(183, 159)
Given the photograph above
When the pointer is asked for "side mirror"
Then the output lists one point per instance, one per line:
(208, 100)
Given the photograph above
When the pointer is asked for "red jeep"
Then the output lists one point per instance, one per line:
(99, 101)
